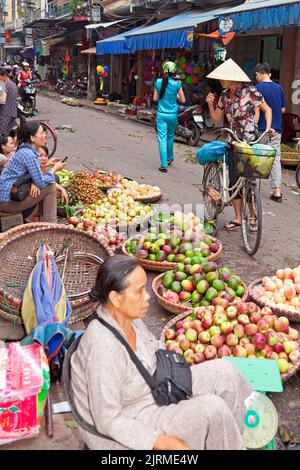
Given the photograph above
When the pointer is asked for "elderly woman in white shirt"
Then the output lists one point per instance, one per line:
(111, 394)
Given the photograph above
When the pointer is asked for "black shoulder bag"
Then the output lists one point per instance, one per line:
(172, 380)
(21, 188)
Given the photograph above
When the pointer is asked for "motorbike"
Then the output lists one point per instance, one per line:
(79, 88)
(190, 125)
(28, 96)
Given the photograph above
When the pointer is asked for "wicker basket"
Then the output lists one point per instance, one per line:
(181, 316)
(163, 266)
(257, 284)
(176, 308)
(149, 199)
(21, 244)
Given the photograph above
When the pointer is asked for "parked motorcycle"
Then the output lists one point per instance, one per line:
(28, 96)
(79, 89)
(190, 125)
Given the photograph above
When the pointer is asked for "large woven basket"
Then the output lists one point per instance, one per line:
(149, 199)
(19, 247)
(175, 308)
(257, 284)
(171, 324)
(163, 266)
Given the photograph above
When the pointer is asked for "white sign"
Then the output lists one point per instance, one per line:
(96, 14)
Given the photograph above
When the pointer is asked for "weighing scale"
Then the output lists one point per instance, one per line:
(261, 419)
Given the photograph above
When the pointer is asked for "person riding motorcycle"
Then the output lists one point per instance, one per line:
(25, 74)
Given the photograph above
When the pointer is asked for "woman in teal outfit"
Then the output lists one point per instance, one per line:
(167, 91)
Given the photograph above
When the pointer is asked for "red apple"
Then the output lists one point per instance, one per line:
(178, 325)
(283, 355)
(231, 340)
(250, 348)
(180, 338)
(219, 318)
(214, 330)
(185, 344)
(284, 320)
(252, 308)
(187, 324)
(73, 221)
(210, 352)
(171, 344)
(243, 341)
(207, 320)
(251, 329)
(204, 337)
(278, 348)
(222, 302)
(224, 351)
(282, 337)
(191, 335)
(170, 333)
(289, 346)
(243, 319)
(272, 355)
(219, 309)
(294, 334)
(263, 325)
(189, 356)
(242, 307)
(266, 311)
(232, 312)
(239, 330)
(239, 351)
(180, 332)
(283, 365)
(259, 341)
(270, 319)
(272, 337)
(217, 340)
(199, 357)
(199, 347)
(255, 317)
(227, 327)
(199, 312)
(294, 356)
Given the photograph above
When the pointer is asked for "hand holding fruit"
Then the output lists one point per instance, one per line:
(58, 166)
(170, 443)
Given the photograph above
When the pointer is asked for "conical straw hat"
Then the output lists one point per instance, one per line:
(230, 71)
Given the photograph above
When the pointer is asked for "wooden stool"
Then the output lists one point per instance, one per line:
(8, 220)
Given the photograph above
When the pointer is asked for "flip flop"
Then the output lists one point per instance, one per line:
(253, 225)
(163, 169)
(276, 198)
(169, 162)
(236, 226)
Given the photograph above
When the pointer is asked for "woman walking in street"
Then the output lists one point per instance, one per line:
(166, 92)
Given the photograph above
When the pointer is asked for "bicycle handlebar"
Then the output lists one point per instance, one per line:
(230, 131)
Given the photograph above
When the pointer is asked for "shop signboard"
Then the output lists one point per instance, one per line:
(28, 37)
(225, 25)
(96, 14)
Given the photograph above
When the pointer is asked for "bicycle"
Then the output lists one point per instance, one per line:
(216, 197)
(51, 136)
(298, 175)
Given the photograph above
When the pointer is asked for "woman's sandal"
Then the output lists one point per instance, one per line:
(163, 169)
(276, 198)
(169, 162)
(235, 226)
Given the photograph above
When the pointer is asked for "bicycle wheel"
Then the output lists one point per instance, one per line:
(298, 176)
(51, 138)
(251, 232)
(212, 179)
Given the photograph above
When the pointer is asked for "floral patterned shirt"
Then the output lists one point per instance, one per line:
(240, 113)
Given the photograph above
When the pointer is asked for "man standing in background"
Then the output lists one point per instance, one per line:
(8, 104)
(275, 98)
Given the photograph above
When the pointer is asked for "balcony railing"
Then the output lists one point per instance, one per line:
(55, 11)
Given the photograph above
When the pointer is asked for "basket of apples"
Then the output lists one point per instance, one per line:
(199, 285)
(241, 330)
(280, 292)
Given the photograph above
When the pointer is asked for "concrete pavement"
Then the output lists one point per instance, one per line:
(102, 141)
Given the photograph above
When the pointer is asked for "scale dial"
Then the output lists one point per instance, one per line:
(260, 421)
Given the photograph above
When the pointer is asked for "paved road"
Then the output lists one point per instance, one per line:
(104, 141)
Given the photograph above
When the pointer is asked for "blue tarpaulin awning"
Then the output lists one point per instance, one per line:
(171, 33)
(264, 14)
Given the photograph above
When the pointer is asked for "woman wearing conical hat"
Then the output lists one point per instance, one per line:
(238, 103)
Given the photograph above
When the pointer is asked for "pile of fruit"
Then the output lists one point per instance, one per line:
(81, 189)
(256, 160)
(241, 330)
(137, 190)
(106, 179)
(282, 290)
(158, 246)
(65, 177)
(201, 285)
(115, 210)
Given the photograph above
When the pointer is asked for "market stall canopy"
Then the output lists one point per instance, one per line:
(53, 39)
(264, 14)
(115, 44)
(175, 32)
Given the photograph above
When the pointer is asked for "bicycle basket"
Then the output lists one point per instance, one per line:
(211, 152)
(254, 161)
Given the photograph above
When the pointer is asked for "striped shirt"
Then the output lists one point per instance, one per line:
(24, 162)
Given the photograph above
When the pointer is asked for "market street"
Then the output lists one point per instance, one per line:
(101, 141)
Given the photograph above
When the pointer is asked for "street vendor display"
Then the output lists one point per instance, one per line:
(242, 330)
(280, 292)
(200, 285)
